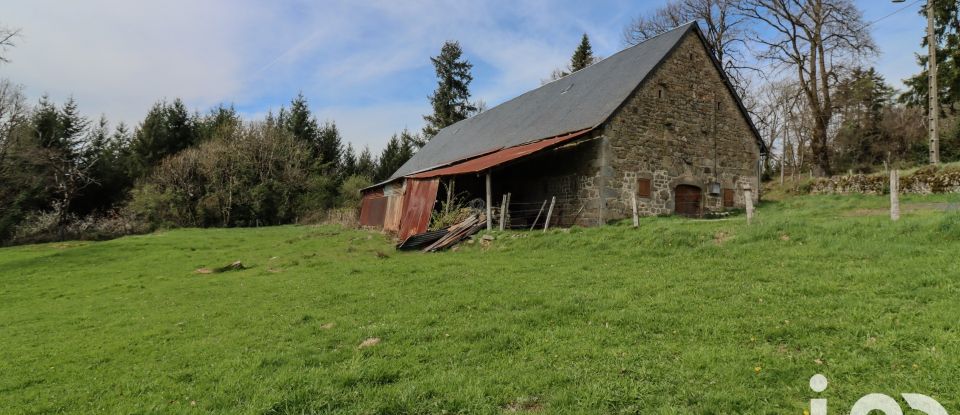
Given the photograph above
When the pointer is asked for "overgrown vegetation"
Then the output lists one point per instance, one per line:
(677, 316)
(65, 177)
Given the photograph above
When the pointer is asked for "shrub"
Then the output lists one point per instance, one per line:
(254, 175)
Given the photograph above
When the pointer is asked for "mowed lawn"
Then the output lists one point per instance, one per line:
(678, 316)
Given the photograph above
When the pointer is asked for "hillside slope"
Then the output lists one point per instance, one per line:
(677, 316)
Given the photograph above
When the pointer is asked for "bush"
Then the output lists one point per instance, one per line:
(258, 174)
(45, 227)
(350, 190)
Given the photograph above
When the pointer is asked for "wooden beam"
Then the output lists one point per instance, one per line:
(894, 195)
(489, 202)
(546, 225)
(544, 205)
(450, 188)
(503, 211)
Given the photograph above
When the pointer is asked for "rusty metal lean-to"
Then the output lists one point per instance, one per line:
(499, 157)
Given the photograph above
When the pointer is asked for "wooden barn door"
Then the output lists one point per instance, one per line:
(687, 200)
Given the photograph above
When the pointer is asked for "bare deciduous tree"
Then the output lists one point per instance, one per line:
(7, 37)
(13, 112)
(723, 26)
(817, 40)
(777, 104)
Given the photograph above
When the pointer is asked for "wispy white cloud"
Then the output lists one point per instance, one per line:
(363, 64)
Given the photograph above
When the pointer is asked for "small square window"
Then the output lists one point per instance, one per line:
(727, 198)
(643, 188)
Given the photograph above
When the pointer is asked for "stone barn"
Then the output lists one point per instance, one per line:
(658, 123)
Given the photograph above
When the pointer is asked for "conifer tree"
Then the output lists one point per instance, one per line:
(397, 152)
(299, 121)
(329, 146)
(451, 100)
(583, 56)
(366, 165)
(166, 130)
(348, 164)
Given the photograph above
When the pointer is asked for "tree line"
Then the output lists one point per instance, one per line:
(64, 175)
(819, 108)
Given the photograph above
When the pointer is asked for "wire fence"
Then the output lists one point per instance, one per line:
(535, 214)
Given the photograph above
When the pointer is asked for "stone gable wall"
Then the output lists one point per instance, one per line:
(682, 126)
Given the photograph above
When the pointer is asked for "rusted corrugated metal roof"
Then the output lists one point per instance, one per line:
(498, 157)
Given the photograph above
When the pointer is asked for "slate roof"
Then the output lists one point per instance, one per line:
(584, 99)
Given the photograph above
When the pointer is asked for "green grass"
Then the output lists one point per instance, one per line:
(677, 316)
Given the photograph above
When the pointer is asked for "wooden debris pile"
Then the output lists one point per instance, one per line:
(457, 233)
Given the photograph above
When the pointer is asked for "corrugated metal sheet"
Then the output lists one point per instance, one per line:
(394, 212)
(373, 209)
(421, 240)
(371, 213)
(498, 157)
(418, 200)
(394, 194)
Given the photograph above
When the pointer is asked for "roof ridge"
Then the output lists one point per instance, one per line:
(684, 26)
(583, 99)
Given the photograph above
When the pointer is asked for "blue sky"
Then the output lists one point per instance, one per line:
(364, 65)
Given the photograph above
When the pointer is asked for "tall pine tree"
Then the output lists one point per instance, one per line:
(324, 141)
(299, 121)
(451, 100)
(583, 56)
(166, 130)
(329, 146)
(397, 152)
(366, 165)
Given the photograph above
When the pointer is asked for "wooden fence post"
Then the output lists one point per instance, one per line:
(543, 206)
(503, 211)
(636, 219)
(450, 189)
(489, 202)
(748, 200)
(894, 195)
(546, 225)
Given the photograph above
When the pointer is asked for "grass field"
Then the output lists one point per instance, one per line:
(677, 316)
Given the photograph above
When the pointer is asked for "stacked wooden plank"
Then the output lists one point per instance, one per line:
(458, 232)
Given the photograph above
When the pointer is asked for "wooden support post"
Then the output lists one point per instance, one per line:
(503, 211)
(894, 195)
(489, 202)
(506, 216)
(543, 206)
(748, 199)
(546, 225)
(450, 188)
(636, 219)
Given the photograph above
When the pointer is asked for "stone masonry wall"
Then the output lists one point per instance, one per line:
(682, 126)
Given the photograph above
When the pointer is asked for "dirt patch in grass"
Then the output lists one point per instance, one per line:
(373, 341)
(720, 237)
(525, 404)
